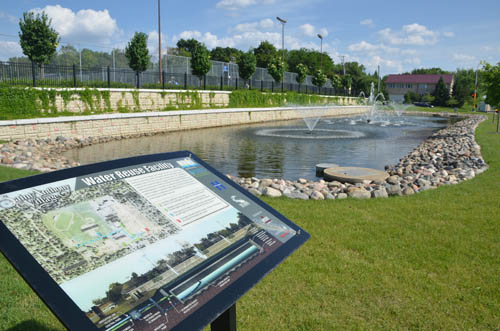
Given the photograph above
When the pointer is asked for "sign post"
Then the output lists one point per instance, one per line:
(155, 242)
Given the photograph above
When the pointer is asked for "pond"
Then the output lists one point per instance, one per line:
(284, 149)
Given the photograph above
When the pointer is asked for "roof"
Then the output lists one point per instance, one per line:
(417, 79)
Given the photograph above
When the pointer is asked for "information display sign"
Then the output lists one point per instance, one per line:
(155, 242)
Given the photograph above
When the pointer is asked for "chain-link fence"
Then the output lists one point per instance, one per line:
(176, 74)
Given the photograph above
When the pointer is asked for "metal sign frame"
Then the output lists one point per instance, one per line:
(67, 311)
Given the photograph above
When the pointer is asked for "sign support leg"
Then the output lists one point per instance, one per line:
(226, 321)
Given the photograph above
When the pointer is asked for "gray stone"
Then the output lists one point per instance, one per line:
(316, 195)
(341, 196)
(393, 180)
(297, 195)
(359, 193)
(394, 190)
(271, 192)
(266, 182)
(380, 193)
(255, 192)
(329, 196)
(408, 191)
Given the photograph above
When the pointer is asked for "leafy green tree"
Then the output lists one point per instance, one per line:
(428, 98)
(441, 93)
(429, 71)
(225, 54)
(347, 82)
(302, 71)
(336, 81)
(311, 58)
(411, 97)
(67, 56)
(319, 78)
(247, 65)
(114, 294)
(492, 81)
(265, 53)
(37, 38)
(200, 61)
(187, 46)
(463, 86)
(452, 102)
(137, 53)
(276, 69)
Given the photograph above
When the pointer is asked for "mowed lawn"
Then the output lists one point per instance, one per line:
(428, 261)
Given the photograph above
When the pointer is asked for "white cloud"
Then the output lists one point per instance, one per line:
(85, 26)
(464, 59)
(153, 44)
(265, 24)
(10, 18)
(364, 46)
(310, 31)
(448, 34)
(367, 22)
(9, 49)
(239, 4)
(412, 34)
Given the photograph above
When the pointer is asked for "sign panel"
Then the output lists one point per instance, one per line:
(155, 242)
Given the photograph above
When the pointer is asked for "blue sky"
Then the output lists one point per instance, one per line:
(397, 35)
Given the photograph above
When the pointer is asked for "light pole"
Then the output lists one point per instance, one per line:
(321, 51)
(283, 22)
(159, 44)
(475, 88)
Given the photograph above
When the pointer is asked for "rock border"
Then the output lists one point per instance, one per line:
(449, 156)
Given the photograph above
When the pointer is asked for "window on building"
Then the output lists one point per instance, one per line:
(408, 85)
(422, 86)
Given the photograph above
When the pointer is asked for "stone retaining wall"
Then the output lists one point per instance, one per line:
(113, 125)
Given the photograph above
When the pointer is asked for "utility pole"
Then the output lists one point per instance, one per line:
(159, 44)
(475, 89)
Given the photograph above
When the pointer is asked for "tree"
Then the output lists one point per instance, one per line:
(335, 80)
(463, 86)
(114, 294)
(319, 78)
(411, 97)
(247, 65)
(187, 46)
(311, 58)
(264, 54)
(301, 70)
(429, 71)
(37, 38)
(492, 81)
(441, 93)
(200, 61)
(276, 69)
(428, 98)
(137, 53)
(225, 54)
(347, 83)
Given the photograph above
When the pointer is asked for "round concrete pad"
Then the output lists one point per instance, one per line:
(354, 174)
(320, 167)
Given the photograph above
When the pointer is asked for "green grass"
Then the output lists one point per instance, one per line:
(428, 261)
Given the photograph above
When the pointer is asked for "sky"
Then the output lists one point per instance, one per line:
(397, 35)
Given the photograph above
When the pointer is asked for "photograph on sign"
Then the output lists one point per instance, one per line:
(142, 247)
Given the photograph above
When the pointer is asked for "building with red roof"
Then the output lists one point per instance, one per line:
(399, 85)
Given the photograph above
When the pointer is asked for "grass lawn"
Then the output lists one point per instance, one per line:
(428, 261)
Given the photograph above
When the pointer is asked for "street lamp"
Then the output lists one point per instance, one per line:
(283, 22)
(321, 56)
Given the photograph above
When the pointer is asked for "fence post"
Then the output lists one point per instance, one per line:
(137, 80)
(272, 86)
(205, 82)
(74, 75)
(185, 80)
(306, 88)
(236, 83)
(282, 86)
(163, 78)
(262, 86)
(222, 83)
(33, 73)
(109, 77)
